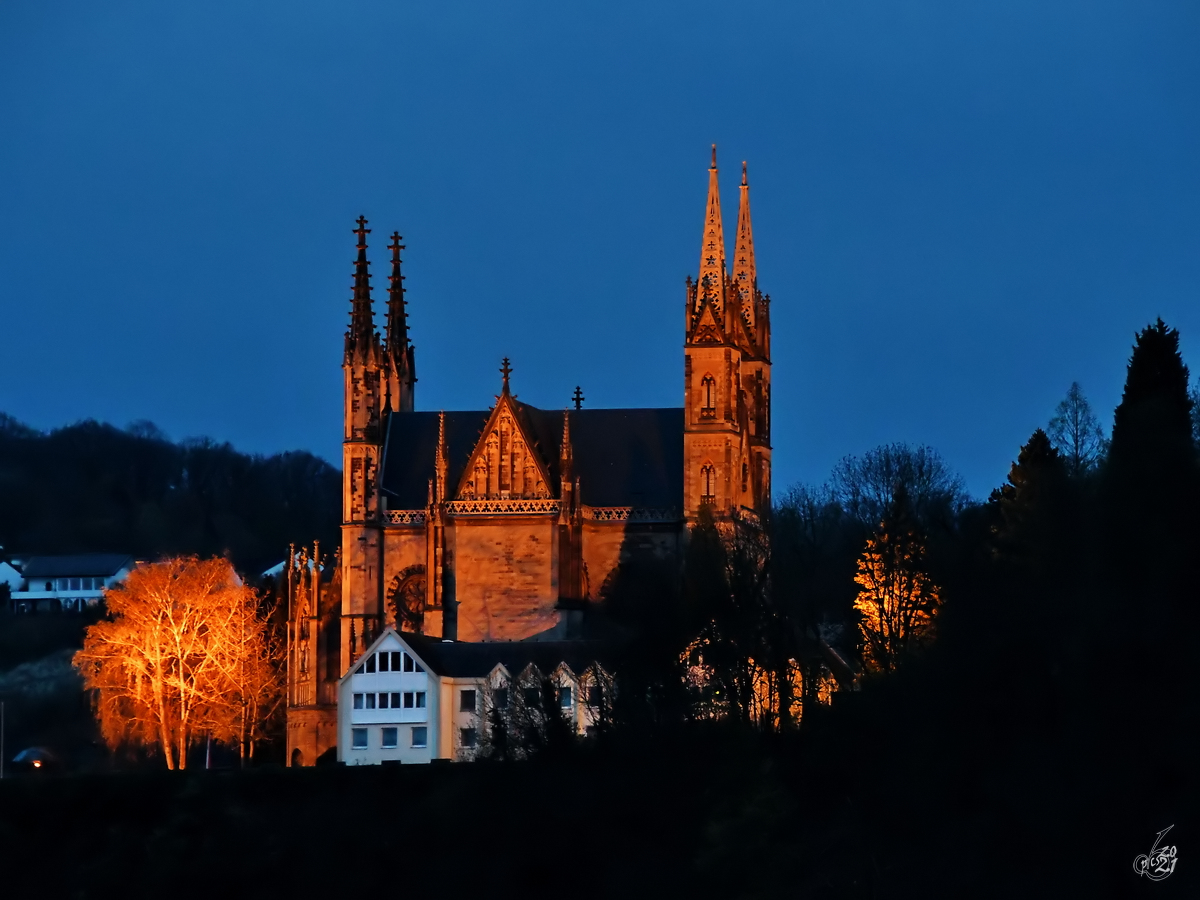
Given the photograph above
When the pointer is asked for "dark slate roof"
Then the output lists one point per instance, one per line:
(623, 457)
(80, 564)
(475, 660)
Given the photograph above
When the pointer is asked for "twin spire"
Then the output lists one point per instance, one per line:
(361, 338)
(728, 297)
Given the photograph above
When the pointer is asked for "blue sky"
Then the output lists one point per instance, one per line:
(959, 208)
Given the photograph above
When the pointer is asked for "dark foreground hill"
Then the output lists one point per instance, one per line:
(702, 813)
(93, 487)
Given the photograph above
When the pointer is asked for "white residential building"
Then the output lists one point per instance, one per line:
(412, 699)
(71, 583)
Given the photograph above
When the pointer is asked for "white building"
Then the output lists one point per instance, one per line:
(412, 699)
(72, 583)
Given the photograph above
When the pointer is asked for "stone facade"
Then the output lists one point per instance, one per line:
(506, 524)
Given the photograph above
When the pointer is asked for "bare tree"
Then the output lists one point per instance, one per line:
(865, 485)
(897, 600)
(1076, 433)
(183, 653)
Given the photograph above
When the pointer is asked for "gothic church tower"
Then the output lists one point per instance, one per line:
(379, 378)
(727, 371)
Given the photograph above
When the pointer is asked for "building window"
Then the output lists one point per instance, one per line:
(390, 740)
(358, 738)
(395, 701)
(468, 737)
(420, 736)
(396, 656)
(420, 698)
(594, 695)
(383, 662)
(564, 697)
(370, 701)
(383, 701)
(369, 665)
(501, 698)
(533, 697)
(358, 701)
(708, 484)
(409, 665)
(75, 585)
(408, 699)
(466, 701)
(708, 396)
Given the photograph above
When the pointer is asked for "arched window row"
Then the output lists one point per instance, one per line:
(708, 484)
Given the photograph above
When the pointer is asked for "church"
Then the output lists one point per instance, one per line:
(504, 523)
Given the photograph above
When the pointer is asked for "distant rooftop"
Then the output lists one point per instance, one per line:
(76, 565)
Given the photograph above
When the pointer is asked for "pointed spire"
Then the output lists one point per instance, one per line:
(505, 370)
(566, 453)
(397, 315)
(744, 273)
(712, 249)
(362, 316)
(440, 458)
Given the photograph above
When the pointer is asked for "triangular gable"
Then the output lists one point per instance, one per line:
(389, 639)
(505, 462)
(707, 329)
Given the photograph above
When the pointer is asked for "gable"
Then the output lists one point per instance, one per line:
(505, 462)
(707, 330)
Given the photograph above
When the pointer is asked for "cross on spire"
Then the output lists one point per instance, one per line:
(362, 231)
(578, 398)
(506, 370)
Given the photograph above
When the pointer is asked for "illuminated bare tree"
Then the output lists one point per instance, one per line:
(896, 598)
(183, 653)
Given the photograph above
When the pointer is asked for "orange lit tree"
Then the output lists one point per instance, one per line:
(896, 599)
(184, 654)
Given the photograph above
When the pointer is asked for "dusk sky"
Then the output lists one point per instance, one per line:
(959, 208)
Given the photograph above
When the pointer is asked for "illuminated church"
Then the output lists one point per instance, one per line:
(505, 524)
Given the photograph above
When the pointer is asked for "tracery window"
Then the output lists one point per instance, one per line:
(708, 484)
(708, 396)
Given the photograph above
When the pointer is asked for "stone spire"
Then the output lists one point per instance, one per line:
(744, 273)
(397, 315)
(361, 334)
(712, 249)
(566, 454)
(441, 460)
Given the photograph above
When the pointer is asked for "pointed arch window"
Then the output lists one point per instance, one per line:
(708, 398)
(708, 485)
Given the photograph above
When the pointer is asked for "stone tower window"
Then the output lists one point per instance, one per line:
(708, 484)
(708, 394)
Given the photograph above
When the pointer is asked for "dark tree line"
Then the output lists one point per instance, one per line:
(91, 487)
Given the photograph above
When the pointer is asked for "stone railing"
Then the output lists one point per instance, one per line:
(631, 514)
(404, 517)
(510, 507)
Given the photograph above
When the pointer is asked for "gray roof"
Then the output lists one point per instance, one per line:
(623, 457)
(80, 564)
(475, 660)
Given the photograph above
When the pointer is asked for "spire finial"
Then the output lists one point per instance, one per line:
(744, 180)
(714, 157)
(578, 398)
(362, 231)
(506, 370)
